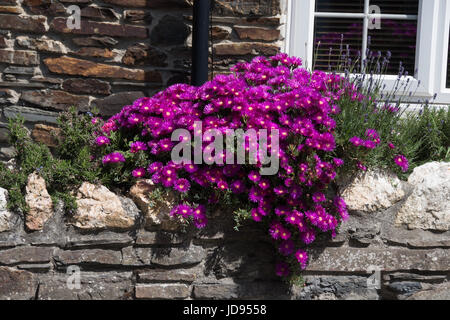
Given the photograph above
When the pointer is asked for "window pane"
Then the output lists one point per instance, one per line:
(351, 6)
(397, 6)
(398, 37)
(331, 32)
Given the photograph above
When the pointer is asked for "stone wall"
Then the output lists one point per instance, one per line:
(125, 249)
(125, 49)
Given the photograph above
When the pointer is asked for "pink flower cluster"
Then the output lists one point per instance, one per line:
(267, 93)
(372, 141)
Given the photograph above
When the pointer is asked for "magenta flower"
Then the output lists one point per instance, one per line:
(191, 168)
(154, 167)
(237, 187)
(222, 185)
(201, 222)
(114, 157)
(95, 120)
(271, 93)
(138, 172)
(373, 134)
(282, 269)
(275, 230)
(285, 234)
(281, 211)
(287, 247)
(199, 212)
(264, 184)
(302, 258)
(360, 166)
(106, 159)
(356, 141)
(102, 140)
(255, 215)
(182, 210)
(254, 176)
(168, 181)
(138, 146)
(280, 190)
(338, 162)
(402, 162)
(369, 144)
(182, 185)
(292, 219)
(318, 197)
(308, 237)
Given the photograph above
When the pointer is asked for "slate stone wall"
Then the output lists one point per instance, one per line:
(124, 49)
(220, 263)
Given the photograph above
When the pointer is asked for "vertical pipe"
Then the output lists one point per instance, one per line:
(200, 42)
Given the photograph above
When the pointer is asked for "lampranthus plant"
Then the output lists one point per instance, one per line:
(272, 93)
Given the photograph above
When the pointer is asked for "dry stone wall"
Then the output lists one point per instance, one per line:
(123, 50)
(123, 249)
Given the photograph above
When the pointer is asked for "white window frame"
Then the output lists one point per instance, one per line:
(431, 51)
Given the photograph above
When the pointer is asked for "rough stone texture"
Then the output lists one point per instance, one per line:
(39, 202)
(145, 238)
(100, 28)
(126, 49)
(10, 9)
(99, 13)
(56, 99)
(169, 31)
(245, 48)
(96, 52)
(5, 216)
(16, 284)
(440, 292)
(428, 207)
(136, 47)
(142, 54)
(115, 102)
(43, 44)
(244, 290)
(46, 7)
(9, 96)
(22, 57)
(93, 286)
(98, 208)
(96, 41)
(335, 288)
(371, 191)
(73, 66)
(247, 7)
(219, 263)
(156, 213)
(360, 260)
(162, 275)
(87, 86)
(163, 257)
(137, 16)
(34, 24)
(150, 4)
(221, 33)
(30, 114)
(162, 291)
(92, 256)
(26, 254)
(252, 33)
(45, 134)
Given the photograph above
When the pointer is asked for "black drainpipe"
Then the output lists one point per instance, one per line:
(200, 42)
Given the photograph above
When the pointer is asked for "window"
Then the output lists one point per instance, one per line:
(416, 32)
(381, 25)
